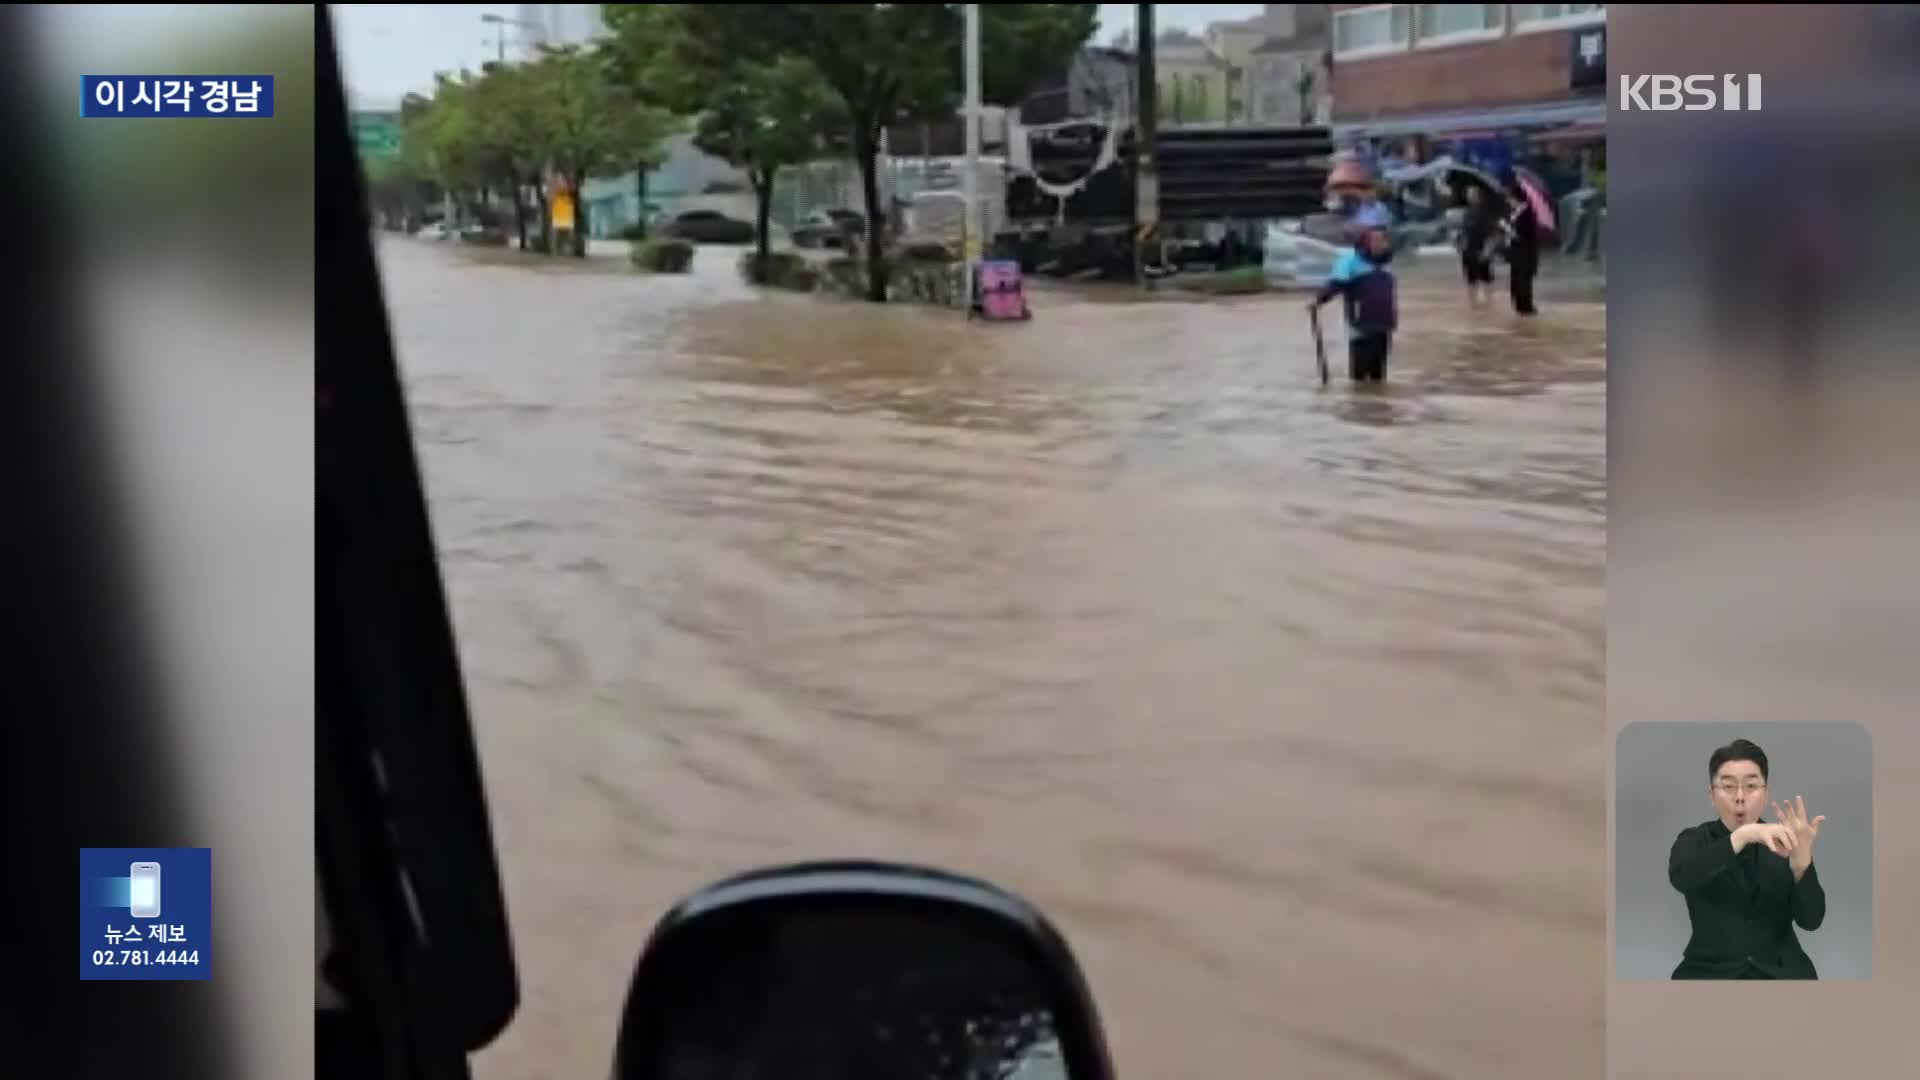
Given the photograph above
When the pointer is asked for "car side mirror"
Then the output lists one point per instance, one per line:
(858, 971)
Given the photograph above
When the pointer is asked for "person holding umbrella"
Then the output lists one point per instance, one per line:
(1529, 219)
(1353, 193)
(1476, 237)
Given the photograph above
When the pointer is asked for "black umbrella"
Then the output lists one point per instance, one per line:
(1456, 174)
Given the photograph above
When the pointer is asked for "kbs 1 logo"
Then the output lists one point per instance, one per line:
(1691, 93)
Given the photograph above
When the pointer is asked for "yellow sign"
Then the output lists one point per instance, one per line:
(563, 211)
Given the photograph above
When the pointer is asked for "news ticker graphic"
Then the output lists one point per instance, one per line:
(146, 913)
(162, 96)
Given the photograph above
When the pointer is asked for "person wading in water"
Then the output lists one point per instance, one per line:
(1522, 246)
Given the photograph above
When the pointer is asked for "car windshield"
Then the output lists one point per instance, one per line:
(775, 526)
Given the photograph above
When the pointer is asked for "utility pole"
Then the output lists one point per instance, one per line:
(971, 246)
(499, 24)
(1146, 177)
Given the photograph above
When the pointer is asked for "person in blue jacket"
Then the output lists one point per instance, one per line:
(1360, 276)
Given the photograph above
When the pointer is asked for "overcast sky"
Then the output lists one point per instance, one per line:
(391, 49)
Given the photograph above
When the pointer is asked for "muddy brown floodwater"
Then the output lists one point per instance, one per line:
(1284, 702)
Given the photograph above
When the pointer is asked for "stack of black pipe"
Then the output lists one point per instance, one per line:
(1206, 174)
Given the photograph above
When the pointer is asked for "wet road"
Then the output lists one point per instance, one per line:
(1283, 702)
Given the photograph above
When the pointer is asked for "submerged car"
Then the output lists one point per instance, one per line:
(827, 229)
(706, 227)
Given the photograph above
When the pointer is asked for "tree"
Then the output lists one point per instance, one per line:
(441, 138)
(503, 129)
(394, 192)
(888, 63)
(758, 113)
(507, 102)
(473, 135)
(642, 57)
(590, 125)
(765, 117)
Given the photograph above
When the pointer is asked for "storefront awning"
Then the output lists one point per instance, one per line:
(1591, 111)
(1573, 133)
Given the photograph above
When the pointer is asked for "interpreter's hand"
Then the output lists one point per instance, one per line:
(1778, 838)
(1794, 816)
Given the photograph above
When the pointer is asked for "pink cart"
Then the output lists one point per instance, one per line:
(1001, 296)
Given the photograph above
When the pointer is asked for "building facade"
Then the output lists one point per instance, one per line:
(1234, 43)
(1192, 79)
(1098, 82)
(1432, 68)
(1291, 79)
(554, 24)
(1498, 83)
(687, 179)
(1270, 69)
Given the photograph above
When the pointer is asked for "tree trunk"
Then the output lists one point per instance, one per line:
(520, 209)
(762, 222)
(640, 211)
(579, 218)
(546, 221)
(865, 148)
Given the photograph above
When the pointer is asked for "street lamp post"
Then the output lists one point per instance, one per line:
(500, 24)
(972, 245)
(1146, 177)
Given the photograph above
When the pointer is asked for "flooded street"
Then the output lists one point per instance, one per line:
(1282, 701)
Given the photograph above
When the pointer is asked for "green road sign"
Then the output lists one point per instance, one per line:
(377, 135)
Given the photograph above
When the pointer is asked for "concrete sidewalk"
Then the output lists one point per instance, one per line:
(614, 248)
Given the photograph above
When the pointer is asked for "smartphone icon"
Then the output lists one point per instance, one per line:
(145, 892)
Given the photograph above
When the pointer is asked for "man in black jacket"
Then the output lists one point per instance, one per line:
(1747, 882)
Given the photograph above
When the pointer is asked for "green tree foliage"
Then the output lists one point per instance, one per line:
(766, 117)
(396, 194)
(509, 131)
(632, 58)
(649, 55)
(885, 63)
(758, 114)
(506, 128)
(441, 135)
(589, 124)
